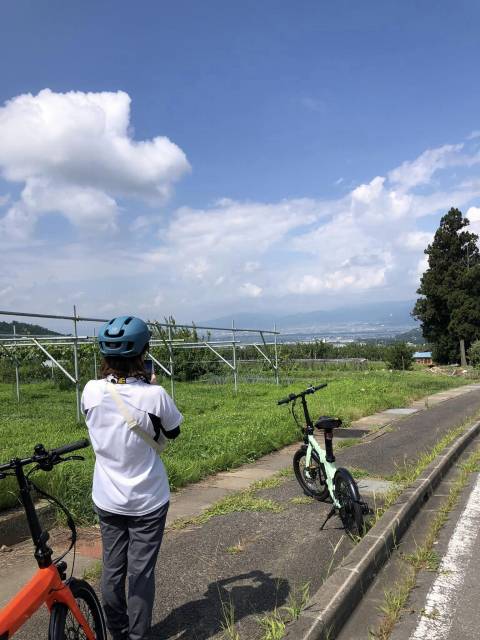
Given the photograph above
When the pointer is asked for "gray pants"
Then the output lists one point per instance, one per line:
(130, 549)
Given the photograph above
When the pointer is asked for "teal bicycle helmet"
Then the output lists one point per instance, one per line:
(125, 336)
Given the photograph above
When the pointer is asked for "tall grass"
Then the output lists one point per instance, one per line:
(221, 429)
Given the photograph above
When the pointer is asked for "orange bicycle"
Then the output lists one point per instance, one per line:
(75, 612)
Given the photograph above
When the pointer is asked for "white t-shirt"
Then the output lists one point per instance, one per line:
(129, 477)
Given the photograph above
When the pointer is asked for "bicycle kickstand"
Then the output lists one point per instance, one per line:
(330, 514)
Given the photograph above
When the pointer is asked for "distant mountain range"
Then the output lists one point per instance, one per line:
(24, 328)
(386, 314)
(370, 321)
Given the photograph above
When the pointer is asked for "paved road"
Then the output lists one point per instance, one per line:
(445, 604)
(198, 575)
(411, 436)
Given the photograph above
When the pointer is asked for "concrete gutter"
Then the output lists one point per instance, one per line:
(333, 603)
(14, 526)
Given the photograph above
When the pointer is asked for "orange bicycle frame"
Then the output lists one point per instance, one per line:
(47, 587)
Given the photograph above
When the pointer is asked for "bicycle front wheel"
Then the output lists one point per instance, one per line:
(351, 512)
(63, 624)
(312, 479)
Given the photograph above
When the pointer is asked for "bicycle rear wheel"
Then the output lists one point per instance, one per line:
(312, 479)
(351, 511)
(63, 624)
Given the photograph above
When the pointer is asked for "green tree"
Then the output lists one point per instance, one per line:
(449, 309)
(474, 354)
(399, 356)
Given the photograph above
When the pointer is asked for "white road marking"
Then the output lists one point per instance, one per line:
(442, 599)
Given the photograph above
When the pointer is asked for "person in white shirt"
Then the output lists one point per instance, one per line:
(129, 419)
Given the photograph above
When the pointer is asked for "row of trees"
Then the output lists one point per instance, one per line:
(449, 306)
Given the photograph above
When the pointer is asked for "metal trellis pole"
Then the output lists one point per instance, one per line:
(17, 377)
(235, 377)
(94, 357)
(170, 349)
(75, 361)
(277, 380)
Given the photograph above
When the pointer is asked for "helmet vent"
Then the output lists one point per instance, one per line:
(128, 320)
(118, 334)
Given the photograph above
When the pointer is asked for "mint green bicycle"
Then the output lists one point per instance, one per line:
(316, 472)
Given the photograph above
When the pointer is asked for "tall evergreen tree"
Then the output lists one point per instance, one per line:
(449, 308)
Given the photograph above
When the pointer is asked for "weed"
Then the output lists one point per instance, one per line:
(332, 559)
(297, 601)
(272, 625)
(268, 483)
(286, 473)
(235, 502)
(358, 474)
(423, 558)
(347, 442)
(236, 548)
(395, 600)
(228, 622)
(94, 572)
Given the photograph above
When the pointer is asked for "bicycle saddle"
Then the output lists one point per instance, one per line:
(327, 422)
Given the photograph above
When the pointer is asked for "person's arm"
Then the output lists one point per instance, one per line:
(167, 418)
(171, 434)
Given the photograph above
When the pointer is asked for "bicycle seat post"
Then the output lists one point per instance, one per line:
(328, 434)
(43, 553)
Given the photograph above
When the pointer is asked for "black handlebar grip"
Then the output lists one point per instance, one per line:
(320, 386)
(68, 448)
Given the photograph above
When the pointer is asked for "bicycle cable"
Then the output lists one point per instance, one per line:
(292, 410)
(70, 520)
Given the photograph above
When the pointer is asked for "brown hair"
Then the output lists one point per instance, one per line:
(123, 367)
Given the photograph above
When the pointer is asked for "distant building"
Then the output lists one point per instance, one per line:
(423, 357)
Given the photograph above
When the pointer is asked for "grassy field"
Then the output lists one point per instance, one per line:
(221, 430)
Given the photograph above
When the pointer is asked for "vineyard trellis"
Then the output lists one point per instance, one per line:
(163, 335)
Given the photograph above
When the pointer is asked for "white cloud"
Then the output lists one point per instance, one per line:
(420, 171)
(416, 240)
(250, 290)
(368, 242)
(338, 280)
(364, 241)
(473, 214)
(74, 154)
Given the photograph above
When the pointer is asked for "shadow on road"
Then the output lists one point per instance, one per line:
(250, 593)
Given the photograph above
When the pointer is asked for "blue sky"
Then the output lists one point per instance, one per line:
(276, 114)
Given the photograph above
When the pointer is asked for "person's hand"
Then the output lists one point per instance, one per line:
(153, 379)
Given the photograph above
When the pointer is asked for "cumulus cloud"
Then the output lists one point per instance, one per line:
(364, 241)
(473, 215)
(369, 242)
(74, 154)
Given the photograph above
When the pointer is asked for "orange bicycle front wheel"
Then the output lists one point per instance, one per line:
(64, 625)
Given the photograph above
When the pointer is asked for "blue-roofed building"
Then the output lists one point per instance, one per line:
(423, 357)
